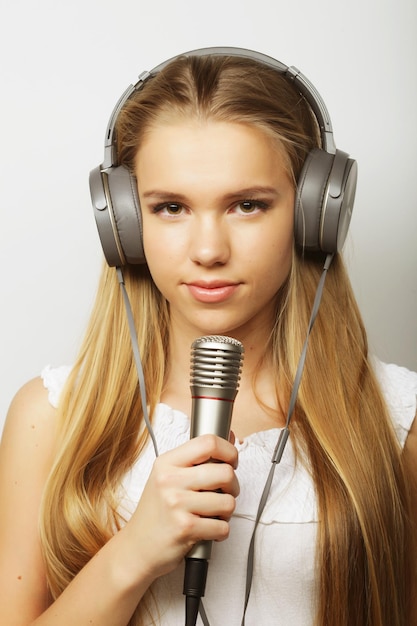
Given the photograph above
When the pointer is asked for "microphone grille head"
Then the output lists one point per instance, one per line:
(216, 361)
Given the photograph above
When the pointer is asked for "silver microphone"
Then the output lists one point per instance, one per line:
(216, 365)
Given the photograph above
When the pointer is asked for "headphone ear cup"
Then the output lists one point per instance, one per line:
(338, 205)
(127, 214)
(118, 215)
(309, 200)
(324, 201)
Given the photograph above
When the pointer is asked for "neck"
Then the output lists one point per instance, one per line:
(248, 415)
(254, 343)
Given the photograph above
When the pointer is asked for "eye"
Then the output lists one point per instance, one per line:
(169, 208)
(248, 207)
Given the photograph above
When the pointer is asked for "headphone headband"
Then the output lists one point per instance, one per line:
(325, 189)
(301, 83)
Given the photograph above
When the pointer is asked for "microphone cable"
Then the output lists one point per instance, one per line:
(194, 588)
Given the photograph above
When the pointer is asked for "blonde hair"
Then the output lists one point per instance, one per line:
(340, 419)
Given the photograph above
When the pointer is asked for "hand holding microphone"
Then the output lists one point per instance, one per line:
(216, 364)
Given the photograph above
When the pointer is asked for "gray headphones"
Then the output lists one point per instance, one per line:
(325, 189)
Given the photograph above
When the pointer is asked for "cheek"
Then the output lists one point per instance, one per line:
(284, 243)
(158, 247)
(155, 255)
(274, 248)
(277, 271)
(163, 256)
(276, 264)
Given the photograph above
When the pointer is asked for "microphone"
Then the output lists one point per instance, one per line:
(216, 365)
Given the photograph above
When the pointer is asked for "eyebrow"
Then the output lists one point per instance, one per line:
(247, 192)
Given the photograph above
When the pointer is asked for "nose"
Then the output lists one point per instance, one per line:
(209, 241)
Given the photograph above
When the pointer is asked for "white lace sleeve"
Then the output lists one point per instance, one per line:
(54, 379)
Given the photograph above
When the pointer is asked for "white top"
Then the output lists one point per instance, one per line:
(283, 588)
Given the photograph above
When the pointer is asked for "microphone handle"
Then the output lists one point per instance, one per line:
(211, 415)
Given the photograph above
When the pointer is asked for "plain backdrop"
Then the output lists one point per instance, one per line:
(63, 67)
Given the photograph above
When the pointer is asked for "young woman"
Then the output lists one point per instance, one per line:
(93, 527)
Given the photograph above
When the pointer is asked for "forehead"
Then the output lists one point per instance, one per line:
(209, 150)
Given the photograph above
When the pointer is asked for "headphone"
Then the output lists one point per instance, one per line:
(324, 196)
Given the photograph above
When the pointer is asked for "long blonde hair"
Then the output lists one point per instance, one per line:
(340, 419)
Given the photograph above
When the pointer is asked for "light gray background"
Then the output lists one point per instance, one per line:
(64, 65)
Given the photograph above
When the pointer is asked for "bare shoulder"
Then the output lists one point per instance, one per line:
(26, 454)
(30, 425)
(29, 429)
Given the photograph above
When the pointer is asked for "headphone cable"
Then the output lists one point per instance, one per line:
(284, 435)
(195, 605)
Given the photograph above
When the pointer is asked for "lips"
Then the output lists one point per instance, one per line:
(213, 292)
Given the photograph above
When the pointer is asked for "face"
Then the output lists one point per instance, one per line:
(217, 206)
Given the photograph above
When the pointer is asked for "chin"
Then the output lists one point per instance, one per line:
(216, 328)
